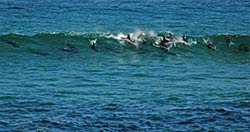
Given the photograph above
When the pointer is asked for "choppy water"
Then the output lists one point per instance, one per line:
(193, 17)
(47, 86)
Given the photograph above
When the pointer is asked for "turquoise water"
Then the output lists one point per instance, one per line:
(47, 86)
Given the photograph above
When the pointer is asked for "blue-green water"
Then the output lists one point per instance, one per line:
(47, 86)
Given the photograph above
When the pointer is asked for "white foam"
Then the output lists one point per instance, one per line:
(92, 42)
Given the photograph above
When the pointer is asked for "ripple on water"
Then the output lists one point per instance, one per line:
(209, 117)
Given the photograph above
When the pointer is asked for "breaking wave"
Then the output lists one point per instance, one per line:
(56, 44)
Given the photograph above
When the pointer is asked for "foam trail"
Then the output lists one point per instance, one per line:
(179, 40)
(92, 42)
(206, 40)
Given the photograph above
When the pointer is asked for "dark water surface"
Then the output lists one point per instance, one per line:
(48, 86)
(193, 17)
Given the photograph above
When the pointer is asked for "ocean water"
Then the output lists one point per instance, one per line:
(52, 79)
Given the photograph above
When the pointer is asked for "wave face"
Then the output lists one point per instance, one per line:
(142, 43)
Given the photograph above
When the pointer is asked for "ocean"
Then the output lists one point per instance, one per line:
(104, 65)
